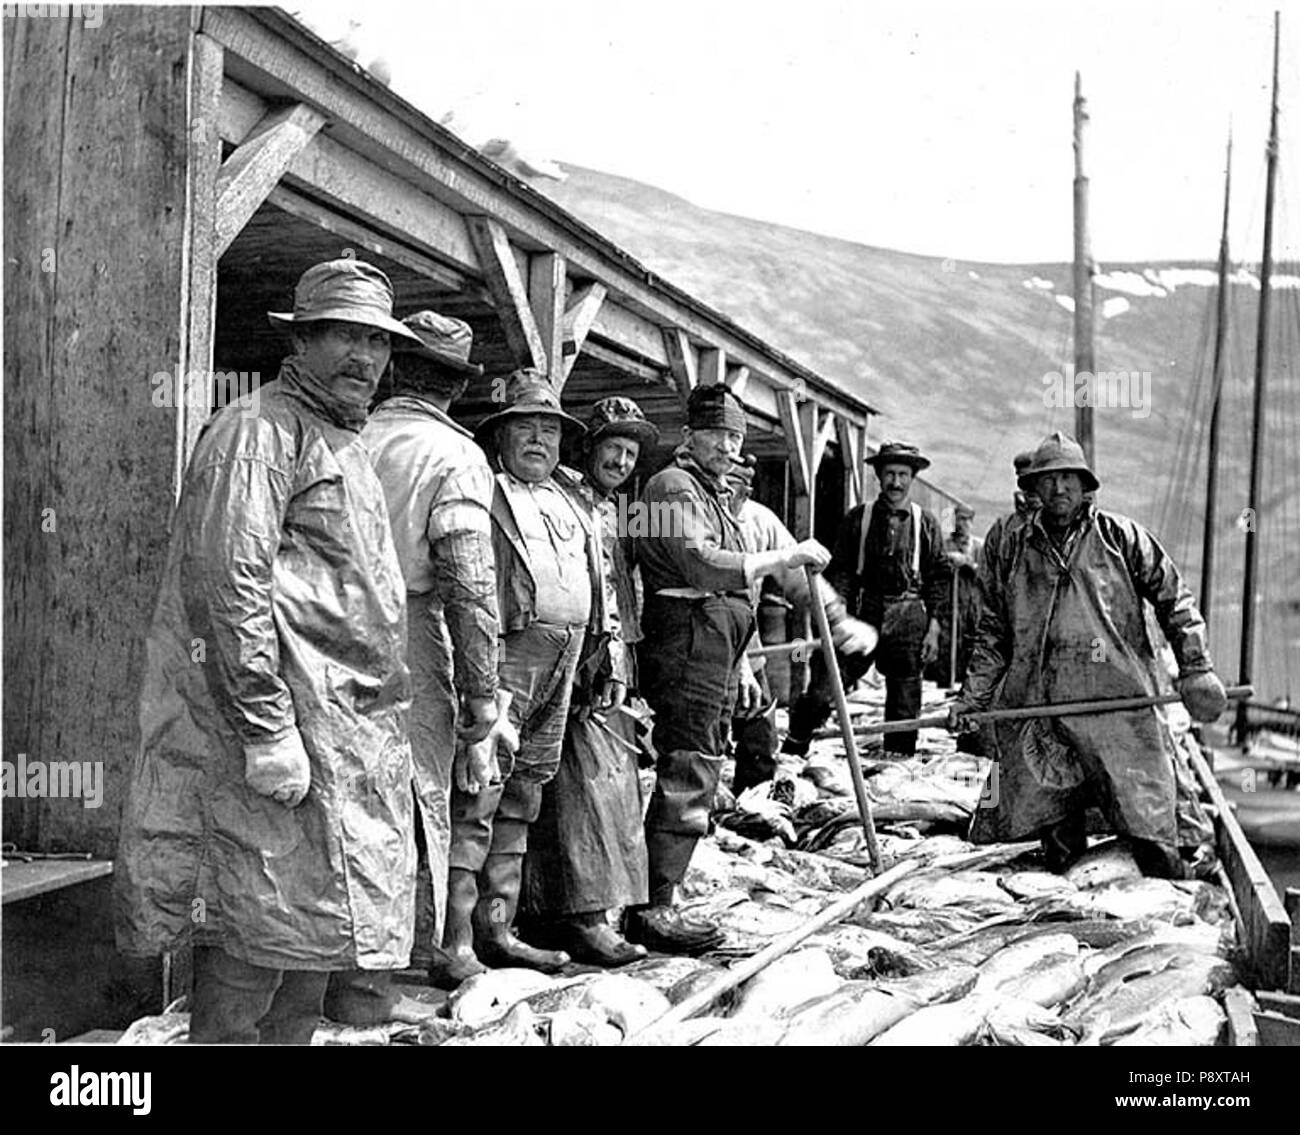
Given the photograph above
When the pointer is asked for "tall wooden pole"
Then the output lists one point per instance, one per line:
(1212, 462)
(1247, 665)
(1083, 324)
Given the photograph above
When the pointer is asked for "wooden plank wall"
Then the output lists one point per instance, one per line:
(95, 180)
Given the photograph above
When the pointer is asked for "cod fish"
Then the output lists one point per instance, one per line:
(1130, 1004)
(668, 973)
(858, 1012)
(1049, 981)
(1106, 862)
(788, 982)
(583, 1028)
(1013, 960)
(920, 927)
(682, 1034)
(1190, 1022)
(1035, 884)
(519, 1027)
(858, 952)
(486, 996)
(976, 892)
(168, 1027)
(818, 872)
(939, 1026)
(1014, 1022)
(626, 1003)
(745, 1034)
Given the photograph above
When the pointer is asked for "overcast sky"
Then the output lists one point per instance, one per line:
(933, 127)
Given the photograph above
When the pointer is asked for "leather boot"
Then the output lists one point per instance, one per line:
(659, 926)
(455, 961)
(495, 942)
(590, 939)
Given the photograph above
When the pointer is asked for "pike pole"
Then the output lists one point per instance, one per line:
(1060, 709)
(846, 722)
(953, 682)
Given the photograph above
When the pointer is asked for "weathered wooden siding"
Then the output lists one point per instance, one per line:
(95, 207)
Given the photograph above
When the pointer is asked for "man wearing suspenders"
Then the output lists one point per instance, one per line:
(890, 565)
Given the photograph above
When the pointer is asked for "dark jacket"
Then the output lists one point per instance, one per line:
(868, 571)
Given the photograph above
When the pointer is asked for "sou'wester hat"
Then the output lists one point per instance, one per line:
(898, 453)
(1058, 453)
(350, 291)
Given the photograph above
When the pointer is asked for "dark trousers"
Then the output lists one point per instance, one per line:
(754, 741)
(897, 657)
(689, 674)
(237, 1003)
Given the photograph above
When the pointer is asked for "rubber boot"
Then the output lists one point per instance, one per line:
(495, 942)
(1064, 842)
(456, 961)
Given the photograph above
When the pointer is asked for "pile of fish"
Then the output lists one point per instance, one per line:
(974, 946)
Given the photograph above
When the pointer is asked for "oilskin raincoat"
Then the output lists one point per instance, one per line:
(282, 607)
(1064, 625)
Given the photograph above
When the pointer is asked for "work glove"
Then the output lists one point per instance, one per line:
(278, 769)
(1203, 695)
(807, 553)
(476, 764)
(853, 636)
(930, 644)
(479, 717)
(959, 720)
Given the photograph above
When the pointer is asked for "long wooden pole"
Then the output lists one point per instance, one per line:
(1212, 461)
(842, 709)
(738, 974)
(1060, 709)
(1084, 361)
(953, 681)
(1247, 664)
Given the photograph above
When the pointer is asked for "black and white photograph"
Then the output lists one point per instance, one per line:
(613, 524)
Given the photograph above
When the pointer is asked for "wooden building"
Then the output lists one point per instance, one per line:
(169, 173)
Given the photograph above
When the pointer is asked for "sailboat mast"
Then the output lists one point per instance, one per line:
(1083, 325)
(1212, 464)
(1257, 429)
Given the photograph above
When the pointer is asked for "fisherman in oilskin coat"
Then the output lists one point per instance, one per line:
(587, 852)
(697, 621)
(269, 816)
(1062, 620)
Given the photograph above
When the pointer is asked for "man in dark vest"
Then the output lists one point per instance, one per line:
(890, 565)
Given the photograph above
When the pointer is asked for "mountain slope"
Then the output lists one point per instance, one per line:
(955, 355)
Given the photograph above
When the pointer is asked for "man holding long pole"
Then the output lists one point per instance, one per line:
(1062, 621)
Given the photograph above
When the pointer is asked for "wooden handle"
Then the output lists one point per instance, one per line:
(1061, 709)
(846, 722)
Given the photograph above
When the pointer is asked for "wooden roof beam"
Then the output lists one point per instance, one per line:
(851, 439)
(509, 293)
(712, 366)
(401, 139)
(247, 177)
(788, 407)
(738, 380)
(584, 306)
(822, 433)
(546, 289)
(681, 362)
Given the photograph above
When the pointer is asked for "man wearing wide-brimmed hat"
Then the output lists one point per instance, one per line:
(268, 819)
(697, 622)
(890, 565)
(438, 487)
(551, 604)
(1063, 621)
(587, 851)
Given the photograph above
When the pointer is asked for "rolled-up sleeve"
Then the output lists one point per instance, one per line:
(464, 576)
